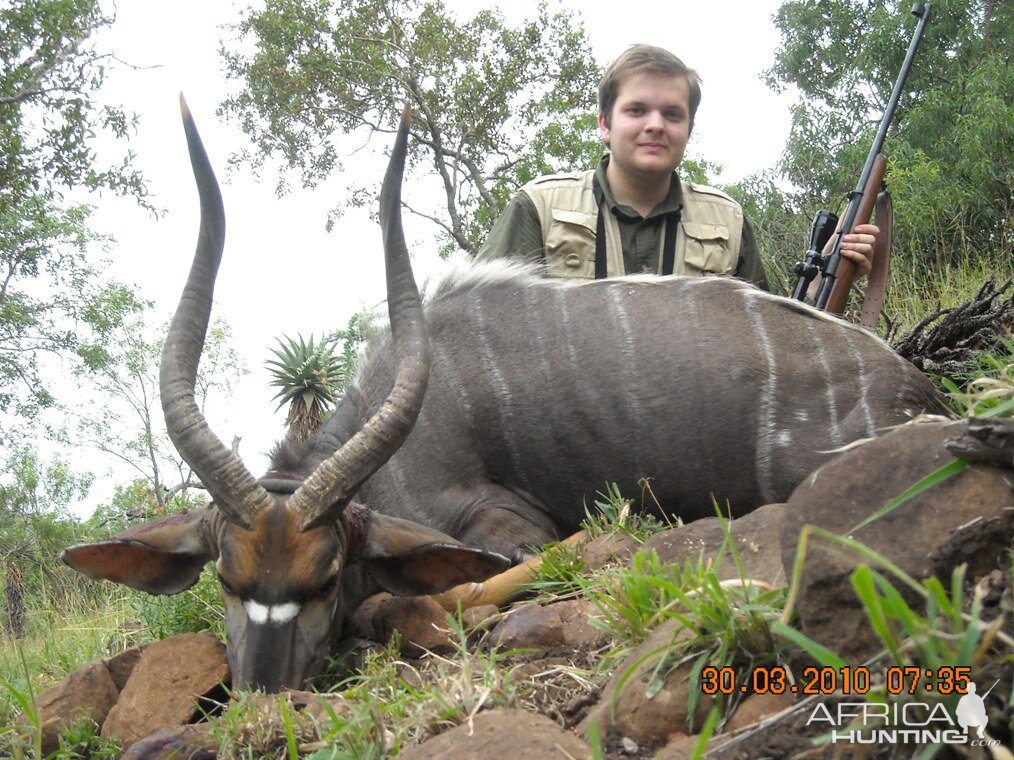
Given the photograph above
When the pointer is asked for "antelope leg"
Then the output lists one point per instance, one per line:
(500, 589)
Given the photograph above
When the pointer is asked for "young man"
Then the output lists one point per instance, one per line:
(633, 213)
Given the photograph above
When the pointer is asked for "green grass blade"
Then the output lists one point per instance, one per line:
(819, 652)
(937, 476)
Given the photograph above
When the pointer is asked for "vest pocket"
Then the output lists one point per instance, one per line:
(707, 248)
(570, 245)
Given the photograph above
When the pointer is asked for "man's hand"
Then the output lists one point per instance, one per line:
(858, 247)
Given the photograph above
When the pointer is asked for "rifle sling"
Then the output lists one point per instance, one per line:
(877, 281)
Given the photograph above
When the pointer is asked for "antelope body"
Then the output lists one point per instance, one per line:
(527, 396)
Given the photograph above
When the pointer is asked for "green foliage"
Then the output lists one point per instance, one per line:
(635, 600)
(34, 526)
(943, 631)
(949, 167)
(384, 709)
(195, 610)
(990, 390)
(494, 106)
(613, 513)
(61, 637)
(311, 377)
(780, 229)
(119, 412)
(560, 574)
(307, 376)
(721, 624)
(50, 72)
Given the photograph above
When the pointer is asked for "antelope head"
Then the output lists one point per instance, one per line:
(282, 546)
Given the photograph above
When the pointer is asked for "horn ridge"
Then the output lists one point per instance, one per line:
(330, 487)
(234, 490)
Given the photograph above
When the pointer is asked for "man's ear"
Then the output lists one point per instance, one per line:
(164, 556)
(604, 128)
(408, 559)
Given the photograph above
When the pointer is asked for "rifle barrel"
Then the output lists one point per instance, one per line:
(848, 221)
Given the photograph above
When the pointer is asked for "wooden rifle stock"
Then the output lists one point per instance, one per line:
(846, 274)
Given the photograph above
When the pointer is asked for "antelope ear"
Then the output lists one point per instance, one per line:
(164, 556)
(407, 558)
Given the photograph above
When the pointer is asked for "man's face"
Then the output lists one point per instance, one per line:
(649, 126)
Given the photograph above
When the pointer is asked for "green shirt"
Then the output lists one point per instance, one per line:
(518, 233)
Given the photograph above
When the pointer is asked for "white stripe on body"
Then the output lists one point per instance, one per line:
(533, 306)
(825, 365)
(766, 424)
(864, 386)
(453, 380)
(568, 345)
(630, 362)
(499, 386)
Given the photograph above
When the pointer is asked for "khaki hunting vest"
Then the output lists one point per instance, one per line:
(707, 238)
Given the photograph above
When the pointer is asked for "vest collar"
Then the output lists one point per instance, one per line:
(604, 194)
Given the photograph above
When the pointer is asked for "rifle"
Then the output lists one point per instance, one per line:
(837, 273)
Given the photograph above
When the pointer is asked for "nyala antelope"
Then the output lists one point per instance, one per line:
(479, 431)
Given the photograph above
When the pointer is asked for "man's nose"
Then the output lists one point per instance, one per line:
(654, 121)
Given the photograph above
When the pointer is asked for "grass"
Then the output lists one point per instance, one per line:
(913, 295)
(390, 705)
(58, 641)
(988, 391)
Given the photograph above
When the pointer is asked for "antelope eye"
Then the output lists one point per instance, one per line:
(328, 586)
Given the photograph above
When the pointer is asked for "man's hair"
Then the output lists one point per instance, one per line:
(640, 59)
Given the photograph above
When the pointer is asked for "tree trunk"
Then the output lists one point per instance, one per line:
(14, 598)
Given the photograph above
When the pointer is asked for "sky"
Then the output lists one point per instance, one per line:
(272, 243)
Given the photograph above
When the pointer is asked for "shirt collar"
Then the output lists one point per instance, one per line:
(604, 194)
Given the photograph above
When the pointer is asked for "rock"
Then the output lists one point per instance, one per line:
(122, 665)
(89, 692)
(189, 742)
(625, 705)
(758, 541)
(421, 622)
(561, 624)
(499, 733)
(164, 688)
(680, 747)
(607, 549)
(966, 518)
(756, 708)
(480, 620)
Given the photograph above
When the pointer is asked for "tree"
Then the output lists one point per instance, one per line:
(312, 377)
(50, 72)
(123, 418)
(949, 151)
(35, 525)
(493, 106)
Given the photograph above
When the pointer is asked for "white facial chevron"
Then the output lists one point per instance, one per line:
(274, 614)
